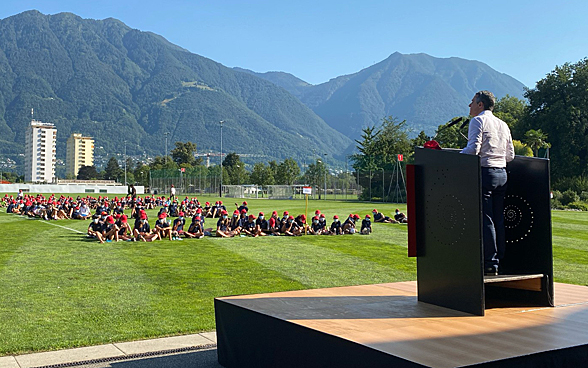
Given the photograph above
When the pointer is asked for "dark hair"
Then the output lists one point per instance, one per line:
(486, 98)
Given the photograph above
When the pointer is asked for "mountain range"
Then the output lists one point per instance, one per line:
(117, 84)
(424, 90)
(106, 80)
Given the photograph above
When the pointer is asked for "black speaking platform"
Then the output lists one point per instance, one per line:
(447, 223)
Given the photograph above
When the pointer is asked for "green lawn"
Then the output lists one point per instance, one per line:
(60, 290)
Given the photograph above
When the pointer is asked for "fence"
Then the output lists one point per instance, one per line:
(192, 181)
(374, 186)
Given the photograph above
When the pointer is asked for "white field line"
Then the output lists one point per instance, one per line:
(63, 227)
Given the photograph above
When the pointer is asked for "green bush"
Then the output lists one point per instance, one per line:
(584, 196)
(556, 205)
(576, 183)
(556, 195)
(582, 206)
(569, 196)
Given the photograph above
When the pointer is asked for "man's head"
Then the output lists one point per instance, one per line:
(483, 100)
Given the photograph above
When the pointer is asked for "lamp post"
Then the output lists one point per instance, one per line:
(325, 176)
(221, 158)
(165, 153)
(125, 162)
(383, 186)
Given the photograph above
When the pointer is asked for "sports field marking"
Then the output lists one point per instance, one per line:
(63, 227)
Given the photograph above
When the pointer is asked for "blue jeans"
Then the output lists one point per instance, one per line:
(493, 191)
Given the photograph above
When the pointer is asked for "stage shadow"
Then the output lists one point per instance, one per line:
(346, 307)
(198, 359)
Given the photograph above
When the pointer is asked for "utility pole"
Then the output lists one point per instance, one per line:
(221, 158)
(325, 176)
(165, 154)
(125, 162)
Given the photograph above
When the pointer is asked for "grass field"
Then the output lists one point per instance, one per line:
(60, 290)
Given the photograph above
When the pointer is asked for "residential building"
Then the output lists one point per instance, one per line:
(80, 152)
(40, 141)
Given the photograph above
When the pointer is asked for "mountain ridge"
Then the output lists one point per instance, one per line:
(107, 80)
(406, 86)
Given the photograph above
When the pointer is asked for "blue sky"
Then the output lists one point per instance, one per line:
(322, 39)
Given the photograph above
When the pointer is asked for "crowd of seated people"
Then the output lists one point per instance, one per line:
(109, 222)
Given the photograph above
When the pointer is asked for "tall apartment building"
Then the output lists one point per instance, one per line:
(40, 152)
(80, 152)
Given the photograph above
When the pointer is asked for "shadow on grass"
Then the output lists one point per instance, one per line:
(198, 359)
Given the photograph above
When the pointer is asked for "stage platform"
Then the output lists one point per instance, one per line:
(384, 325)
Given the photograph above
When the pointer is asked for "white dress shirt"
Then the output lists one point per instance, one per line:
(489, 138)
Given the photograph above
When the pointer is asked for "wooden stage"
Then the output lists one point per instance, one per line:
(385, 325)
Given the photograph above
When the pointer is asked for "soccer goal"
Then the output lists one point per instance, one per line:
(280, 192)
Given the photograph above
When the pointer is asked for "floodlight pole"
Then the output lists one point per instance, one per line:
(221, 159)
(383, 185)
(325, 176)
(165, 153)
(125, 162)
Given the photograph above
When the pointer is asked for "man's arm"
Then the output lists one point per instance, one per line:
(474, 137)
(510, 153)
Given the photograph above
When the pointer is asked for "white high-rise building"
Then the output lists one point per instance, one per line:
(40, 152)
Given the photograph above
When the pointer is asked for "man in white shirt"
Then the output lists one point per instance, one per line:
(490, 138)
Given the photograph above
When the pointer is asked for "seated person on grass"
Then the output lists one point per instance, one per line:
(315, 227)
(242, 207)
(400, 217)
(207, 210)
(143, 232)
(283, 220)
(124, 229)
(301, 222)
(262, 224)
(336, 228)
(222, 226)
(291, 228)
(251, 228)
(366, 225)
(108, 232)
(95, 227)
(178, 227)
(84, 211)
(349, 225)
(379, 217)
(163, 228)
(235, 224)
(274, 224)
(195, 230)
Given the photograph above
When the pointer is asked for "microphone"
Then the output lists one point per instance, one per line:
(466, 122)
(452, 123)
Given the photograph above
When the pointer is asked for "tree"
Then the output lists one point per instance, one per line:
(141, 174)
(262, 174)
(536, 139)
(521, 149)
(558, 105)
(420, 139)
(365, 159)
(161, 162)
(183, 154)
(112, 170)
(452, 137)
(315, 175)
(235, 169)
(379, 147)
(511, 110)
(287, 172)
(392, 140)
(88, 173)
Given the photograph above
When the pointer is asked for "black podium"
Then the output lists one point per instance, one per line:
(445, 233)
